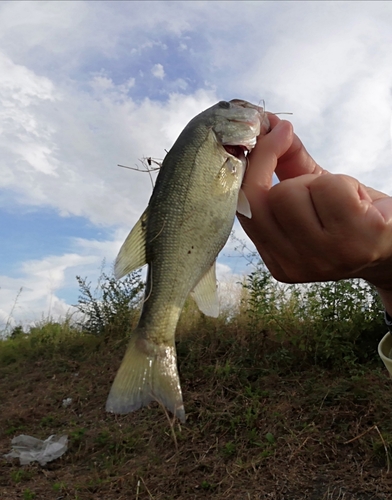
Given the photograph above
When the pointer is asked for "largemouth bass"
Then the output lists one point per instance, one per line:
(187, 222)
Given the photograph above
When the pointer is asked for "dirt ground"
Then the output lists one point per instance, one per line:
(251, 432)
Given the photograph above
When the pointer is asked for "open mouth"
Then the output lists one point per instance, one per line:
(237, 151)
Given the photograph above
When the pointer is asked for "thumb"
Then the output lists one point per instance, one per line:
(264, 158)
(384, 206)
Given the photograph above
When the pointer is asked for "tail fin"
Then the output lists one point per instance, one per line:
(147, 373)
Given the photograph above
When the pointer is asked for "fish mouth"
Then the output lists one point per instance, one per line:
(236, 150)
(238, 125)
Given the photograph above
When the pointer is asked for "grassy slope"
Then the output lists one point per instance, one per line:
(263, 421)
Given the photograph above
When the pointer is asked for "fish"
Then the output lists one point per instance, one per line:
(187, 222)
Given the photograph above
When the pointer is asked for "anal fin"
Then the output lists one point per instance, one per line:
(205, 293)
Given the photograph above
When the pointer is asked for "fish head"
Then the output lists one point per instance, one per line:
(237, 124)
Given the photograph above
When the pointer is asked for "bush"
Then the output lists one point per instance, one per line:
(113, 302)
(329, 323)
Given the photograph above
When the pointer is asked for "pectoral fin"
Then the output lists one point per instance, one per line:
(205, 294)
(132, 254)
(243, 206)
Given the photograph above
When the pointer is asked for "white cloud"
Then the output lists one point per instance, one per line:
(230, 289)
(72, 105)
(66, 156)
(19, 85)
(158, 71)
(24, 135)
(35, 293)
(21, 298)
(332, 67)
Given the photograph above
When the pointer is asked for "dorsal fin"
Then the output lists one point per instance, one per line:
(132, 254)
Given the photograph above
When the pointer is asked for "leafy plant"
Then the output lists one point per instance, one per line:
(329, 323)
(77, 435)
(59, 486)
(28, 494)
(229, 449)
(113, 302)
(20, 475)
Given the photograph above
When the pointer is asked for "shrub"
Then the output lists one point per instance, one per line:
(113, 302)
(329, 323)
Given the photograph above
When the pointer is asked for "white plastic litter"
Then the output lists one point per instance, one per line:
(67, 402)
(29, 449)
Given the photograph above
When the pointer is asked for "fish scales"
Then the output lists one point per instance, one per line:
(183, 234)
(187, 222)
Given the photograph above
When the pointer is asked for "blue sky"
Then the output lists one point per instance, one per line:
(87, 85)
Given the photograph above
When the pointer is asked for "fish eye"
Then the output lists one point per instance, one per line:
(224, 104)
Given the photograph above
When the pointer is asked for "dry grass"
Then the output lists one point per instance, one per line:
(260, 424)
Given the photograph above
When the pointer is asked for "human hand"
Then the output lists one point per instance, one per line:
(314, 225)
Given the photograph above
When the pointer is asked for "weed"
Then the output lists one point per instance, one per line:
(224, 371)
(103, 438)
(113, 302)
(266, 453)
(14, 429)
(77, 435)
(270, 438)
(48, 421)
(328, 324)
(254, 438)
(229, 449)
(28, 494)
(207, 486)
(59, 486)
(18, 476)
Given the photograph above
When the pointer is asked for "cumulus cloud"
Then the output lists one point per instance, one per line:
(230, 289)
(74, 104)
(48, 150)
(158, 71)
(336, 81)
(34, 294)
(37, 292)
(23, 135)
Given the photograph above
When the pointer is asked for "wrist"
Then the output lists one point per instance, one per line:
(385, 346)
(388, 320)
(386, 299)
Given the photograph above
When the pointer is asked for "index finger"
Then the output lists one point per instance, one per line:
(292, 161)
(296, 161)
(263, 159)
